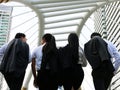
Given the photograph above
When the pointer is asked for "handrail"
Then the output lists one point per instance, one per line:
(114, 84)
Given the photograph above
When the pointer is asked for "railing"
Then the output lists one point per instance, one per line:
(115, 84)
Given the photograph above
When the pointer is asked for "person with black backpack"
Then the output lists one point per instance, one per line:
(71, 59)
(45, 57)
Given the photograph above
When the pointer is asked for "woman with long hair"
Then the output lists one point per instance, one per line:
(46, 78)
(71, 68)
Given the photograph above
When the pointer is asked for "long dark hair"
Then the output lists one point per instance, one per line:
(50, 45)
(73, 42)
(49, 51)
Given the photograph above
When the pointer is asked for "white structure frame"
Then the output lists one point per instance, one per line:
(37, 6)
(43, 9)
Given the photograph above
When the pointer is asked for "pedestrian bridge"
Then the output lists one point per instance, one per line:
(59, 17)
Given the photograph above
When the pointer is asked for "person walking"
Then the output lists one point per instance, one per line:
(15, 59)
(97, 54)
(72, 59)
(115, 55)
(45, 57)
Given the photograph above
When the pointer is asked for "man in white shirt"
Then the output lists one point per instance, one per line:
(37, 53)
(96, 52)
(37, 59)
(45, 62)
(115, 55)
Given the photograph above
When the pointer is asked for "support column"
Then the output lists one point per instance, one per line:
(27, 78)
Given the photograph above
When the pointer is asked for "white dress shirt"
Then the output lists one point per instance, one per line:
(114, 54)
(2, 51)
(37, 54)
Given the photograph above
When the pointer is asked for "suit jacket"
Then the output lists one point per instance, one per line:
(96, 53)
(15, 58)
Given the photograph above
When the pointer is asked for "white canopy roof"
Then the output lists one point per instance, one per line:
(59, 14)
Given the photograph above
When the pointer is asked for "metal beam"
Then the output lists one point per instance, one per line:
(59, 1)
(65, 12)
(62, 4)
(33, 5)
(63, 20)
(39, 15)
(59, 26)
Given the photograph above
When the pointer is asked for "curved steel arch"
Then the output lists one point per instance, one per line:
(32, 4)
(90, 13)
(38, 9)
(39, 14)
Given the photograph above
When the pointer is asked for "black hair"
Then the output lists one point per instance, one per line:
(49, 50)
(47, 37)
(73, 42)
(50, 43)
(95, 34)
(19, 35)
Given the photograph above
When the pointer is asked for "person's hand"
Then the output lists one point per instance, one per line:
(35, 83)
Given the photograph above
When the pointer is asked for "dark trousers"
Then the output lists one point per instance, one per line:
(73, 77)
(47, 80)
(14, 82)
(101, 79)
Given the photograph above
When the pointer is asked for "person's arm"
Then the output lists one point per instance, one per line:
(2, 51)
(34, 71)
(82, 58)
(115, 55)
(30, 57)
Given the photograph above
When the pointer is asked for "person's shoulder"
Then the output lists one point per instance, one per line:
(26, 45)
(64, 47)
(39, 47)
(109, 42)
(87, 43)
(98, 39)
(3, 47)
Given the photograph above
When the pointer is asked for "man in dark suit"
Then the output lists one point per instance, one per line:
(15, 61)
(98, 56)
